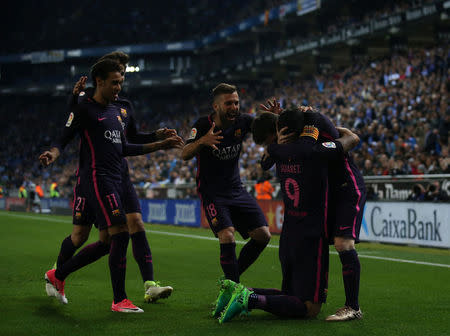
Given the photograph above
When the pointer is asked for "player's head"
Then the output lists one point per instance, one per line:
(107, 78)
(226, 102)
(118, 56)
(264, 128)
(293, 119)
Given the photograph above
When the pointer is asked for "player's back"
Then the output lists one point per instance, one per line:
(343, 171)
(303, 173)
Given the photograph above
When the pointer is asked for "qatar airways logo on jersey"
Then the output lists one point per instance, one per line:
(227, 153)
(113, 136)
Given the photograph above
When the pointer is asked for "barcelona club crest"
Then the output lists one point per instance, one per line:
(238, 133)
(123, 112)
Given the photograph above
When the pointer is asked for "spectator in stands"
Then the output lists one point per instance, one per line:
(418, 193)
(264, 188)
(435, 193)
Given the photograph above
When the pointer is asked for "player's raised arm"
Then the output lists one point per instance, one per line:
(348, 139)
(210, 139)
(271, 106)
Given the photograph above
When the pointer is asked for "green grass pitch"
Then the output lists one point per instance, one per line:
(397, 298)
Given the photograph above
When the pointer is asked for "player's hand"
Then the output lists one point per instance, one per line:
(211, 139)
(79, 86)
(48, 157)
(306, 108)
(272, 106)
(284, 137)
(164, 133)
(173, 141)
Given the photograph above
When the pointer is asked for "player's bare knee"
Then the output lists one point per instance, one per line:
(344, 244)
(104, 237)
(261, 235)
(79, 235)
(117, 229)
(135, 223)
(226, 235)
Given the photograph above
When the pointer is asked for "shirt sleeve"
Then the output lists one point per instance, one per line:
(71, 129)
(327, 129)
(273, 150)
(72, 101)
(131, 149)
(267, 162)
(199, 129)
(136, 137)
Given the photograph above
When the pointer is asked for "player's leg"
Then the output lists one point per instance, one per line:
(141, 248)
(244, 300)
(82, 216)
(228, 260)
(249, 220)
(79, 235)
(217, 213)
(259, 238)
(346, 235)
(82, 223)
(87, 255)
(143, 256)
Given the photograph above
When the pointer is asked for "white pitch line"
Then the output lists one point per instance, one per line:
(183, 235)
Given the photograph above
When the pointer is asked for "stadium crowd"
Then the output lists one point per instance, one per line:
(175, 20)
(399, 106)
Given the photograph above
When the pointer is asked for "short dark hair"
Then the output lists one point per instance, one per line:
(293, 119)
(264, 125)
(223, 88)
(118, 56)
(102, 68)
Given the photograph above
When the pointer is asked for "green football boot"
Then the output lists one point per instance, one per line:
(238, 304)
(226, 291)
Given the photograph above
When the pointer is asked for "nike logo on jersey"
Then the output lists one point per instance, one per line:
(100, 119)
(344, 227)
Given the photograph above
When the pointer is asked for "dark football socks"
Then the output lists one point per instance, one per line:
(86, 256)
(66, 252)
(142, 254)
(266, 291)
(280, 305)
(351, 270)
(229, 262)
(249, 253)
(118, 264)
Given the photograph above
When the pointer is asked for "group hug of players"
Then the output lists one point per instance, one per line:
(323, 194)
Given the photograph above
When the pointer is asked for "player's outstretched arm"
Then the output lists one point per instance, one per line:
(50, 156)
(135, 150)
(164, 133)
(348, 139)
(210, 139)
